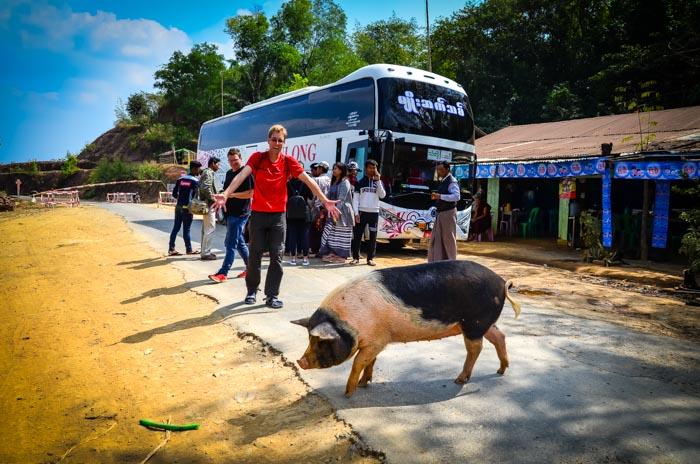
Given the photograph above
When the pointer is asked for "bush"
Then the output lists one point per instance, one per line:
(112, 170)
(70, 166)
(149, 171)
(690, 243)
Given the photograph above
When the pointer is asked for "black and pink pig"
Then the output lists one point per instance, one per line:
(405, 304)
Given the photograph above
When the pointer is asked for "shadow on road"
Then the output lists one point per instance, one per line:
(220, 315)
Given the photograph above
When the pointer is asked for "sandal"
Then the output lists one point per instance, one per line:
(193, 252)
(174, 253)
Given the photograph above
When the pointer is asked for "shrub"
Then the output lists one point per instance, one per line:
(690, 243)
(149, 171)
(70, 166)
(112, 170)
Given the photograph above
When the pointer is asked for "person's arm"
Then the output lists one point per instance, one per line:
(356, 204)
(451, 195)
(220, 198)
(176, 189)
(380, 187)
(313, 186)
(242, 195)
(207, 182)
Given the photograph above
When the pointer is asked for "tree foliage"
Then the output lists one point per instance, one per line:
(395, 41)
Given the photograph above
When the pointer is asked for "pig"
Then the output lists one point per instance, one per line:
(402, 304)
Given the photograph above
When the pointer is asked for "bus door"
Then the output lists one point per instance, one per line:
(358, 152)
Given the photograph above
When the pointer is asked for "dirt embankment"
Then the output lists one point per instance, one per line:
(98, 332)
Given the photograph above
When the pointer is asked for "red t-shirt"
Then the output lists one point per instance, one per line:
(270, 191)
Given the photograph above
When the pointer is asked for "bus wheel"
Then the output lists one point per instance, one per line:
(397, 244)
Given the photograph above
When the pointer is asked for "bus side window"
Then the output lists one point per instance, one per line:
(338, 149)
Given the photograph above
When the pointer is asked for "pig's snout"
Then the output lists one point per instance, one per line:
(303, 363)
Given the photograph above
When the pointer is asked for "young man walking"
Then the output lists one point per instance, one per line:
(237, 213)
(368, 191)
(185, 189)
(443, 240)
(271, 170)
(207, 190)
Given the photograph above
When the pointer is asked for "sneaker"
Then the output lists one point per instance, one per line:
(305, 262)
(242, 275)
(273, 302)
(355, 261)
(370, 262)
(250, 298)
(209, 257)
(293, 261)
(218, 278)
(174, 253)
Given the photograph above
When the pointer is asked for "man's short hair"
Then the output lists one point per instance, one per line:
(212, 160)
(371, 162)
(324, 166)
(234, 151)
(444, 164)
(195, 164)
(277, 128)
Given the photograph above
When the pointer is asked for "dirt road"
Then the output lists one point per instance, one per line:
(81, 302)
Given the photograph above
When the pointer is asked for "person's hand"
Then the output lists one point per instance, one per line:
(434, 196)
(375, 178)
(219, 202)
(357, 219)
(332, 210)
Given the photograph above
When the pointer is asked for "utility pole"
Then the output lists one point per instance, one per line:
(427, 34)
(222, 93)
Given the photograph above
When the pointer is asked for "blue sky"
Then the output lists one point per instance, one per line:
(66, 63)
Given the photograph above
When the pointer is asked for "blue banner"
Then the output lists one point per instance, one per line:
(653, 170)
(538, 169)
(659, 234)
(607, 225)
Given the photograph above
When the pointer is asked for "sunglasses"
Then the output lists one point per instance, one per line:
(277, 140)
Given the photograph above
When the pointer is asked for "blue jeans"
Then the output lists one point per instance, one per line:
(183, 218)
(234, 241)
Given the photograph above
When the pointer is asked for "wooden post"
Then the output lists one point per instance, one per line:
(643, 237)
(18, 182)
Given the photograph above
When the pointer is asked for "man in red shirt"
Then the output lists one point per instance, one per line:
(267, 225)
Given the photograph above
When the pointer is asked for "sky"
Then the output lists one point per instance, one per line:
(66, 64)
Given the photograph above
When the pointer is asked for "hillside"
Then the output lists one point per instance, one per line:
(122, 142)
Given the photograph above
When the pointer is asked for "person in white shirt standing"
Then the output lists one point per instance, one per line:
(368, 191)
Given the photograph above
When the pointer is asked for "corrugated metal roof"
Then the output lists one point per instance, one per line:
(676, 129)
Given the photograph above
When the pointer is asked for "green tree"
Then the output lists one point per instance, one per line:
(561, 104)
(191, 86)
(70, 165)
(394, 41)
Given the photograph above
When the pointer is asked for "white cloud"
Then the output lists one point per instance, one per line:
(48, 27)
(243, 12)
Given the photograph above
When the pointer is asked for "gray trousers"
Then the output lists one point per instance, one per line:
(267, 231)
(443, 240)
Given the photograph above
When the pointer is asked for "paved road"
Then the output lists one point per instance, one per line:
(577, 390)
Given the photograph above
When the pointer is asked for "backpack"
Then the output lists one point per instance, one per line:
(297, 208)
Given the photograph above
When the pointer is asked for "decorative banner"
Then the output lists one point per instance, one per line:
(589, 167)
(607, 213)
(657, 170)
(659, 232)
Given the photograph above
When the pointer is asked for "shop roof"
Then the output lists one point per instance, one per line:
(673, 130)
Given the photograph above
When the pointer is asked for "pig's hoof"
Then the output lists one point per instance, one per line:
(348, 394)
(363, 383)
(461, 381)
(501, 371)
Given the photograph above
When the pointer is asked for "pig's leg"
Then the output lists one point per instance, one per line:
(473, 350)
(367, 374)
(498, 339)
(364, 358)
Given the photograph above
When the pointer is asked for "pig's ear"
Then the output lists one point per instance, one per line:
(302, 322)
(324, 331)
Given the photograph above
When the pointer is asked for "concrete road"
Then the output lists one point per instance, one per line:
(577, 390)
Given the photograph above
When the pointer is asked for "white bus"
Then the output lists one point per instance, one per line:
(405, 118)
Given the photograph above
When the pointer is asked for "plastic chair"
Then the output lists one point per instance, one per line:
(528, 227)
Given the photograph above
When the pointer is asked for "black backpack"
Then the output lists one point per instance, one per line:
(297, 208)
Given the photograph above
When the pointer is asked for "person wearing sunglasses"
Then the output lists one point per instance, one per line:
(267, 225)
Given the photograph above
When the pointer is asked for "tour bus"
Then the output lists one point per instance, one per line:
(406, 119)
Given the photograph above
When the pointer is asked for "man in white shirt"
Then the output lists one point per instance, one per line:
(443, 240)
(365, 202)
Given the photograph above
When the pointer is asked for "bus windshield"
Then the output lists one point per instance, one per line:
(415, 107)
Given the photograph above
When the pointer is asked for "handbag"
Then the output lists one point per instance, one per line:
(198, 206)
